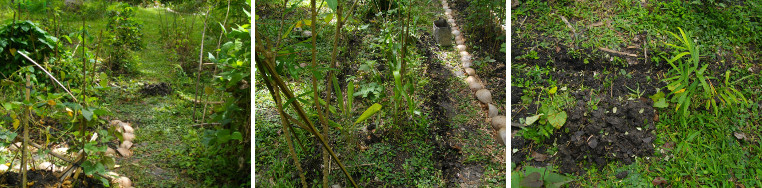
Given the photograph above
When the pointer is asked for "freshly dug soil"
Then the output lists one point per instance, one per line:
(162, 89)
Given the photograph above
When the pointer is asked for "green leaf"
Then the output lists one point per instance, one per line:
(531, 120)
(104, 79)
(661, 103)
(328, 18)
(333, 4)
(236, 136)
(334, 124)
(534, 179)
(350, 95)
(87, 113)
(553, 90)
(297, 97)
(108, 162)
(368, 112)
(657, 96)
(223, 135)
(339, 94)
(553, 180)
(557, 119)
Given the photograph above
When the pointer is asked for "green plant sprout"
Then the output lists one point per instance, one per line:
(684, 86)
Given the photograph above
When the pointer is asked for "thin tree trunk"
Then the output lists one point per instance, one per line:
(200, 62)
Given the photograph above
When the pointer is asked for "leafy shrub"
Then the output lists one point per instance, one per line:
(27, 37)
(550, 117)
(225, 150)
(124, 35)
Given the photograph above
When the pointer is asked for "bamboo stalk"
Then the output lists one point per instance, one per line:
(24, 149)
(286, 126)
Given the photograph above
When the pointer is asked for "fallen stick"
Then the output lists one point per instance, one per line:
(615, 52)
(568, 24)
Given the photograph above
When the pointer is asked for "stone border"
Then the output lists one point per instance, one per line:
(474, 83)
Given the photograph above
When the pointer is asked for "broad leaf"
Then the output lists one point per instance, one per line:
(369, 112)
(557, 119)
(531, 120)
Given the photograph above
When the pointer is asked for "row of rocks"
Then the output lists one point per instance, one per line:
(474, 83)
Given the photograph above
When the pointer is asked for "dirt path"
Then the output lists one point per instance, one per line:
(160, 122)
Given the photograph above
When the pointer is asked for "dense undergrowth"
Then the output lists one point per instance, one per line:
(106, 60)
(373, 91)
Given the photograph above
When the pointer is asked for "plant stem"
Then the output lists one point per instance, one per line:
(200, 62)
(24, 151)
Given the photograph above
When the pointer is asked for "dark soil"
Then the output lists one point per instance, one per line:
(44, 179)
(439, 105)
(162, 89)
(591, 137)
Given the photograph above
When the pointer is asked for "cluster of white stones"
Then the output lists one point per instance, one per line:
(474, 83)
(128, 135)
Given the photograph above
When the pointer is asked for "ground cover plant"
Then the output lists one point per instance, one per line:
(359, 94)
(95, 94)
(660, 93)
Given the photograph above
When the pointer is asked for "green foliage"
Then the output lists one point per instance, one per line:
(484, 18)
(538, 177)
(691, 81)
(227, 146)
(124, 35)
(550, 117)
(27, 37)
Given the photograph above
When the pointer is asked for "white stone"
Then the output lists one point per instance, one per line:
(498, 122)
(475, 86)
(484, 96)
(128, 136)
(455, 32)
(461, 47)
(492, 110)
(502, 135)
(470, 72)
(110, 151)
(46, 166)
(470, 79)
(124, 182)
(126, 144)
(128, 128)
